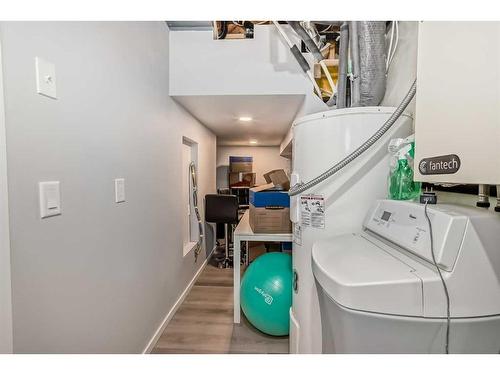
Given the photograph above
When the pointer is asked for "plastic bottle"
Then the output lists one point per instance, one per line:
(401, 183)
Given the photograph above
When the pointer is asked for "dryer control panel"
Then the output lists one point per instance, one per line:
(404, 223)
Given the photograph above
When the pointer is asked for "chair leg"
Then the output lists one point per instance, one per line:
(226, 240)
(227, 263)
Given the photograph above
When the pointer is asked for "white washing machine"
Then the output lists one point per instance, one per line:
(380, 291)
(320, 141)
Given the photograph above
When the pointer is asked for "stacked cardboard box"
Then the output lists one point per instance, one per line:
(270, 204)
(240, 163)
(237, 179)
(240, 171)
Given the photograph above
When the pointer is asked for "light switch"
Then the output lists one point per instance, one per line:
(119, 190)
(50, 198)
(45, 78)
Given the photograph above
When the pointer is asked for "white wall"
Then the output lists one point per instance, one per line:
(403, 70)
(102, 276)
(264, 160)
(5, 274)
(200, 65)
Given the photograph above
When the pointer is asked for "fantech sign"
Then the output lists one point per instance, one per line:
(446, 164)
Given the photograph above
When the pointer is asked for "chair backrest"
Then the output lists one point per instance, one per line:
(221, 208)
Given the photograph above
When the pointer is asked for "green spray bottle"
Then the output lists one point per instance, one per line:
(401, 183)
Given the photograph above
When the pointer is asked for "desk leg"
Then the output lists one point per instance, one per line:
(236, 278)
(247, 258)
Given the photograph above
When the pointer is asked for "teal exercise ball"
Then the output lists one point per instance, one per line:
(266, 293)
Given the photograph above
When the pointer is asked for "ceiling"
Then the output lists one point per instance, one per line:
(272, 116)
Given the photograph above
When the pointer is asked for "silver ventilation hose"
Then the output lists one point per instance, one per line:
(301, 187)
(372, 60)
(199, 244)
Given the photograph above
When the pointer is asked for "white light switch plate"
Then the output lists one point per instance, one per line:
(45, 78)
(50, 198)
(119, 190)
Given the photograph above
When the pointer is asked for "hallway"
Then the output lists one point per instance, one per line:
(204, 322)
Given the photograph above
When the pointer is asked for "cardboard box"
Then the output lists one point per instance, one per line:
(234, 178)
(241, 179)
(241, 167)
(270, 220)
(240, 163)
(269, 198)
(278, 178)
(270, 211)
(248, 179)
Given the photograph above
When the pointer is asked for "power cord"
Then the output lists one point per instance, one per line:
(447, 345)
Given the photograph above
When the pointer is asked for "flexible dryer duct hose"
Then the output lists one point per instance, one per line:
(372, 62)
(301, 187)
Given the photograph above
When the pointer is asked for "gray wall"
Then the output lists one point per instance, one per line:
(102, 276)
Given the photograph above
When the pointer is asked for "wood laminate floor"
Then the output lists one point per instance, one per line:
(204, 321)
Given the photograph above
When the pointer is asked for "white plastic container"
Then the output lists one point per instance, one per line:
(320, 141)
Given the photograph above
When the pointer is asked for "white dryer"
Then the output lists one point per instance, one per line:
(380, 291)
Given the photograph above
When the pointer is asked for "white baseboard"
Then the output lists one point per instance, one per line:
(175, 307)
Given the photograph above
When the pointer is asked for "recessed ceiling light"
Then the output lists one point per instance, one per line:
(245, 118)
(253, 142)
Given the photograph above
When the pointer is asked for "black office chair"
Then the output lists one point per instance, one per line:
(222, 209)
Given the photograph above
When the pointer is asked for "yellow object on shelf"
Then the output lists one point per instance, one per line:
(322, 80)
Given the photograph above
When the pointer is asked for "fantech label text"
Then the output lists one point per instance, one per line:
(446, 164)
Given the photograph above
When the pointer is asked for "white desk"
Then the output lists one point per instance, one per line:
(243, 232)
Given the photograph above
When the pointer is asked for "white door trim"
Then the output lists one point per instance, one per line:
(6, 343)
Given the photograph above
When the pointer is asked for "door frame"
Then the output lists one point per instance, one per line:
(6, 337)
